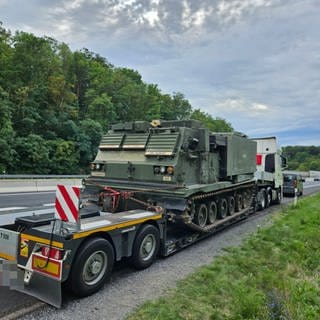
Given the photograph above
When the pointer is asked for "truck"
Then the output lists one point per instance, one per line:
(154, 189)
(269, 176)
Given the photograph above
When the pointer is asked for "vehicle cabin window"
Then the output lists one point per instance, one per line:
(288, 178)
(269, 163)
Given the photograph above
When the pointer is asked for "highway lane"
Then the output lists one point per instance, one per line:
(10, 201)
(11, 301)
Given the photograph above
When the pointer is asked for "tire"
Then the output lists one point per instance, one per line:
(223, 208)
(145, 247)
(212, 212)
(279, 197)
(91, 268)
(201, 215)
(268, 198)
(239, 202)
(231, 205)
(262, 199)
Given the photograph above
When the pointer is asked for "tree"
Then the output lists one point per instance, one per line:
(214, 124)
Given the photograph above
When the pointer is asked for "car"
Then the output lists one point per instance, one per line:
(292, 184)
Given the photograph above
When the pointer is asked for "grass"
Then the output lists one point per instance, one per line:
(275, 274)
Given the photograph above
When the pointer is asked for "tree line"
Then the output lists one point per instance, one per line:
(55, 104)
(302, 158)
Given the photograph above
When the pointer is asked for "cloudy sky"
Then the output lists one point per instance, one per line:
(255, 63)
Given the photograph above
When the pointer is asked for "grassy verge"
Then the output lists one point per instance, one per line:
(275, 274)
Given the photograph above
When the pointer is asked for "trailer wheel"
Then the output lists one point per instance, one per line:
(223, 208)
(231, 205)
(212, 213)
(91, 268)
(145, 247)
(201, 215)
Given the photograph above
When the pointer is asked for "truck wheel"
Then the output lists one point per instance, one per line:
(279, 197)
(231, 205)
(201, 215)
(145, 247)
(92, 266)
(268, 198)
(212, 214)
(262, 199)
(223, 208)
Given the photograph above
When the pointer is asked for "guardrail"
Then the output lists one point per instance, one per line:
(36, 183)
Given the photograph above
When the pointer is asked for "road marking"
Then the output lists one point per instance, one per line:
(12, 208)
(8, 194)
(48, 205)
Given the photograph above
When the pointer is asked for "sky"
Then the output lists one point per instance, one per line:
(255, 63)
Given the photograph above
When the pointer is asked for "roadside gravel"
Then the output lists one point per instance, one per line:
(129, 288)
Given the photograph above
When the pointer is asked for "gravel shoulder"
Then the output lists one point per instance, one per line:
(129, 288)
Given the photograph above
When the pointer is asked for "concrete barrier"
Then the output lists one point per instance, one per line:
(35, 185)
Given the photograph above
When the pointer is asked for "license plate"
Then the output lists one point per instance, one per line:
(8, 244)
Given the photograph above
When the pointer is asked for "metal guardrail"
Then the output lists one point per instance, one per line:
(40, 176)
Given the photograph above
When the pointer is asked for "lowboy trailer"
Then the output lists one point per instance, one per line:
(154, 189)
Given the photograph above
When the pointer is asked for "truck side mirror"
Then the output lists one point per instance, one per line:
(283, 162)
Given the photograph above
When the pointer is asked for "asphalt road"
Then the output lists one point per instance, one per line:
(11, 301)
(11, 201)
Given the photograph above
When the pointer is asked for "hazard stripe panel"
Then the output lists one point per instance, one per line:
(67, 203)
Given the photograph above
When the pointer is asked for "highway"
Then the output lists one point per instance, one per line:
(11, 301)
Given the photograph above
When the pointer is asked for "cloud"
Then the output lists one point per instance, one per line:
(253, 62)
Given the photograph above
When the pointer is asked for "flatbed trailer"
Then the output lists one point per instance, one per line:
(47, 252)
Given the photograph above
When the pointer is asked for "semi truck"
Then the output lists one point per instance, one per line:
(154, 189)
(269, 174)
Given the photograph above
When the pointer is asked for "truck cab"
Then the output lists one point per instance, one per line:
(268, 175)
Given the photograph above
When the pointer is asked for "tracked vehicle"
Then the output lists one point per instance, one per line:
(195, 175)
(153, 189)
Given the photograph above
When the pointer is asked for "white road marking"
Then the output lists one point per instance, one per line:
(8, 194)
(49, 204)
(12, 208)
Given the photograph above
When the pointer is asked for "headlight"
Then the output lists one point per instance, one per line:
(170, 170)
(162, 169)
(93, 166)
(156, 170)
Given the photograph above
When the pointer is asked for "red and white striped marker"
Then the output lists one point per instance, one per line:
(67, 203)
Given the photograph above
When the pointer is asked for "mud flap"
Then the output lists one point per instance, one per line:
(43, 288)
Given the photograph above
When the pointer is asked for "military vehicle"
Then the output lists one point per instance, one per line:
(154, 189)
(195, 175)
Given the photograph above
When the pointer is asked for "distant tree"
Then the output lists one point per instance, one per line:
(214, 124)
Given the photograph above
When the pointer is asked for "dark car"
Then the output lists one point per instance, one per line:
(292, 183)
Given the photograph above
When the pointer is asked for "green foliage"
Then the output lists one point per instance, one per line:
(273, 275)
(55, 104)
(302, 158)
(214, 124)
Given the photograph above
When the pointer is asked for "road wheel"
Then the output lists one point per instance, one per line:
(212, 213)
(231, 205)
(201, 215)
(145, 247)
(245, 199)
(239, 202)
(92, 266)
(223, 208)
